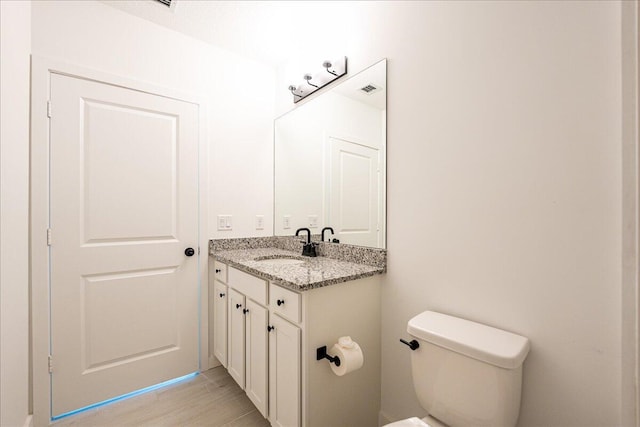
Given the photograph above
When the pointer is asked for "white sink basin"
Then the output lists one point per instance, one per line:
(280, 261)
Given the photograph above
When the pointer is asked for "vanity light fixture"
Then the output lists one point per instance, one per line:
(332, 70)
(293, 89)
(327, 65)
(308, 78)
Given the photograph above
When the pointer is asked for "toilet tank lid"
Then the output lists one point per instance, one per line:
(485, 343)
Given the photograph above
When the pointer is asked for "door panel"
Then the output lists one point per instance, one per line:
(140, 134)
(284, 373)
(220, 323)
(123, 208)
(236, 353)
(256, 355)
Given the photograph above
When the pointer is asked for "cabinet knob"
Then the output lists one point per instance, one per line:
(270, 328)
(238, 305)
(221, 295)
(218, 270)
(245, 311)
(280, 302)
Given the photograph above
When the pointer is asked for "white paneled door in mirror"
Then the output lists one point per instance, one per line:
(124, 207)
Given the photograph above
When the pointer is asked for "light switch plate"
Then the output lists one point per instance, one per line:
(313, 221)
(286, 221)
(259, 222)
(225, 222)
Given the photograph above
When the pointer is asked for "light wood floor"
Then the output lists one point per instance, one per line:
(209, 399)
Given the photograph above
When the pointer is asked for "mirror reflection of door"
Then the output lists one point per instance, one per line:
(354, 180)
(344, 126)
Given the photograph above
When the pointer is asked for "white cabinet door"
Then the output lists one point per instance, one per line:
(220, 297)
(256, 319)
(235, 349)
(284, 373)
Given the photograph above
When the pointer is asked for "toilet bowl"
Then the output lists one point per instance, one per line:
(416, 422)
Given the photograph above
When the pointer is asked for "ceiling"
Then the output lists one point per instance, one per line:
(271, 32)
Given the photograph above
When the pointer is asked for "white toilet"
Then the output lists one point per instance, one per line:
(465, 373)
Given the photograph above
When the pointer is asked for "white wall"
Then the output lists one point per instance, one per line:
(504, 188)
(238, 92)
(15, 44)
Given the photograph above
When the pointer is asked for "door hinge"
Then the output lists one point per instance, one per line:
(49, 109)
(50, 364)
(48, 237)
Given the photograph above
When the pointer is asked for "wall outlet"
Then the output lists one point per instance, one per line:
(259, 222)
(286, 221)
(313, 221)
(224, 222)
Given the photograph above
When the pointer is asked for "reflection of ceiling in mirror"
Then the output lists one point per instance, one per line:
(374, 76)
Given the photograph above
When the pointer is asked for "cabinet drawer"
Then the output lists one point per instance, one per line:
(253, 287)
(285, 302)
(220, 270)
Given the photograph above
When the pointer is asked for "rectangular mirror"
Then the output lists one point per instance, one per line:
(330, 162)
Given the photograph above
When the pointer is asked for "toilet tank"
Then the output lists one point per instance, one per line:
(466, 373)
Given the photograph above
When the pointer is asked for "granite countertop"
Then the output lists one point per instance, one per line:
(313, 272)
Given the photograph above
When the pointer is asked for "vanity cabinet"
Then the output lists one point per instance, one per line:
(272, 336)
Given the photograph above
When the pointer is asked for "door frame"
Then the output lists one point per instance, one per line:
(41, 70)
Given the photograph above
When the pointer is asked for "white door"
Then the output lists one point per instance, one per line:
(354, 205)
(284, 373)
(256, 355)
(123, 209)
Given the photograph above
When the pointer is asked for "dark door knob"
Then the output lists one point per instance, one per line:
(189, 252)
(270, 328)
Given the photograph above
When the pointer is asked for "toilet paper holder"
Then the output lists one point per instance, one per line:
(321, 353)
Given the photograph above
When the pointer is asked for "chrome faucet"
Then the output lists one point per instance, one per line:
(309, 248)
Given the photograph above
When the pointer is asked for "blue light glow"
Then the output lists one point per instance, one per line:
(126, 396)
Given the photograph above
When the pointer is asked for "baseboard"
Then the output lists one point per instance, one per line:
(28, 422)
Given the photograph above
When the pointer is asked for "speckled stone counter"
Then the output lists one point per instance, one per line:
(313, 272)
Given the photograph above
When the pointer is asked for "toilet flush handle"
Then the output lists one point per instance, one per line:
(413, 344)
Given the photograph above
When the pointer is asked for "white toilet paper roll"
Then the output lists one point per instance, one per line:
(350, 354)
